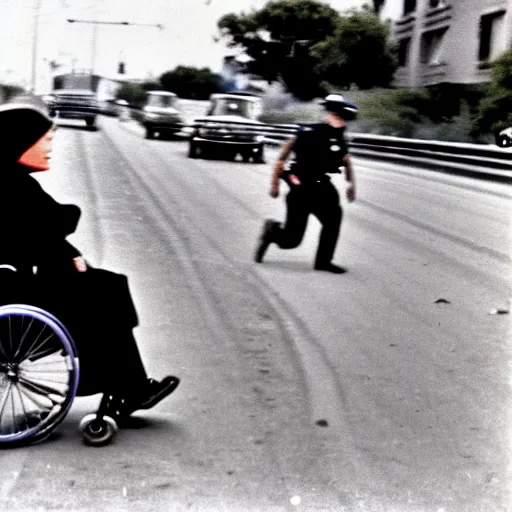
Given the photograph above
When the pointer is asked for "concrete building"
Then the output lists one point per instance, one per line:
(450, 41)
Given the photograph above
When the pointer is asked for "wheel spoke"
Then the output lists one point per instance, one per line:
(37, 351)
(26, 354)
(53, 377)
(14, 419)
(22, 405)
(3, 353)
(23, 335)
(40, 400)
(53, 365)
(44, 387)
(5, 398)
(10, 334)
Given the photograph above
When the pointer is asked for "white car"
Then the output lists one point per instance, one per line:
(504, 138)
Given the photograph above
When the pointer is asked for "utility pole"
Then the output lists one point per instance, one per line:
(95, 33)
(35, 42)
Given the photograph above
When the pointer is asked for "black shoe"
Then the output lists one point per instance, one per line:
(264, 241)
(154, 392)
(330, 267)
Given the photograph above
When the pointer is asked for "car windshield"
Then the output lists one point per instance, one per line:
(232, 107)
(157, 100)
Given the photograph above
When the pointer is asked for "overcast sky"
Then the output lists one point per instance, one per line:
(187, 37)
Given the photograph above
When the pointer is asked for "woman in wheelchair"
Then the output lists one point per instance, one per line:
(93, 305)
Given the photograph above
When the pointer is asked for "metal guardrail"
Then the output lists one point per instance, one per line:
(480, 161)
(473, 160)
(484, 162)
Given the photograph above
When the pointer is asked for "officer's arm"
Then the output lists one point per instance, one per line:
(279, 167)
(349, 176)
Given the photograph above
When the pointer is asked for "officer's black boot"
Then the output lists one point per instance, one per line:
(265, 240)
(330, 267)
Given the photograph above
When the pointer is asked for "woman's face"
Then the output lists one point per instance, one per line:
(38, 155)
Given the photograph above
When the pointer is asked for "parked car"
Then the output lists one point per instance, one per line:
(504, 138)
(160, 115)
(73, 104)
(229, 128)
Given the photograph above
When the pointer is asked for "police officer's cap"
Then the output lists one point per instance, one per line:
(337, 104)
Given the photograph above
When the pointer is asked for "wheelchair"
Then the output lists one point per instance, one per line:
(39, 379)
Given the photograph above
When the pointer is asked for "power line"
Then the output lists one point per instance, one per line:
(98, 22)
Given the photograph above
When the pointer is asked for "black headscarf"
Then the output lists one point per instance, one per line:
(22, 126)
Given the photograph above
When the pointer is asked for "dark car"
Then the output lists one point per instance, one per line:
(160, 115)
(73, 104)
(230, 128)
(504, 138)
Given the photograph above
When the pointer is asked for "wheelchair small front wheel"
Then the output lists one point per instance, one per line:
(98, 431)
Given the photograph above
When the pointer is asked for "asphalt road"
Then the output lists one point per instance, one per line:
(383, 389)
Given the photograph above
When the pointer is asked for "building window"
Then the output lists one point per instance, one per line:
(409, 6)
(403, 51)
(491, 30)
(432, 46)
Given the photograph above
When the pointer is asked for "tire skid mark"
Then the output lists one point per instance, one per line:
(205, 299)
(324, 391)
(427, 251)
(433, 195)
(254, 169)
(503, 258)
(99, 240)
(421, 174)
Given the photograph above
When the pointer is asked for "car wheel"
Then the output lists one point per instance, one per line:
(150, 134)
(193, 150)
(90, 122)
(259, 158)
(503, 141)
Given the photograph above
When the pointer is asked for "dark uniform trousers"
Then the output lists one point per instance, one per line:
(321, 199)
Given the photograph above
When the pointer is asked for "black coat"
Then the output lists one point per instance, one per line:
(96, 306)
(34, 234)
(34, 225)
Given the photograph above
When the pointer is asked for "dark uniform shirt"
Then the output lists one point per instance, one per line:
(319, 149)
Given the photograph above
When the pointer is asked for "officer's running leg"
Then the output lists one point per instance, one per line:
(326, 207)
(297, 211)
(290, 235)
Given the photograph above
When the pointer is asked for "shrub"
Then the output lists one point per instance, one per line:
(495, 110)
(134, 94)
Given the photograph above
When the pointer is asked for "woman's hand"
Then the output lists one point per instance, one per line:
(294, 180)
(80, 264)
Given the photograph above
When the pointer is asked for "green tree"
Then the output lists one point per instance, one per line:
(10, 91)
(278, 38)
(192, 83)
(153, 85)
(359, 52)
(495, 109)
(134, 94)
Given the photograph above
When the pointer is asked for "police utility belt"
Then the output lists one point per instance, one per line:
(305, 177)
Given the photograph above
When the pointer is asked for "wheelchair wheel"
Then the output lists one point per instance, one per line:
(39, 374)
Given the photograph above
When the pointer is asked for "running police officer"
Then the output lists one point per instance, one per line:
(319, 149)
